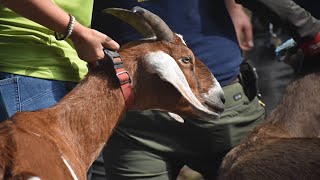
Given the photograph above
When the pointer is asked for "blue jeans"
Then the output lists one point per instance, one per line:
(23, 93)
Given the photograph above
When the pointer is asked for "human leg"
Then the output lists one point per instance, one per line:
(151, 145)
(125, 160)
(241, 115)
(238, 119)
(3, 111)
(22, 93)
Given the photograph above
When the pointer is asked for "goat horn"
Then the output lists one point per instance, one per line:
(133, 19)
(160, 28)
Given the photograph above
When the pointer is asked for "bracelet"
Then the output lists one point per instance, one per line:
(69, 31)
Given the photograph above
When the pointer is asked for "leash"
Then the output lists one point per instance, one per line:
(122, 75)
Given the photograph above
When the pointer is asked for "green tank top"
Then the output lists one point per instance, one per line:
(29, 49)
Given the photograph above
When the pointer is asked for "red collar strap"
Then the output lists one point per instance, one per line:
(122, 75)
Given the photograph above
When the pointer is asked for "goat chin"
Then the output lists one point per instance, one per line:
(203, 117)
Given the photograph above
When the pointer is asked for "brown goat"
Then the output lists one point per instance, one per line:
(61, 142)
(287, 146)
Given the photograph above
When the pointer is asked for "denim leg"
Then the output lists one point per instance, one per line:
(22, 93)
(3, 111)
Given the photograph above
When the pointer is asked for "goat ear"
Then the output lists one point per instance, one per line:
(133, 19)
(168, 70)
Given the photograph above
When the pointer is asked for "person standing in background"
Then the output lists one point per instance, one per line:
(296, 21)
(293, 21)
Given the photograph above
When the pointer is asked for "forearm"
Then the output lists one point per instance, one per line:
(236, 12)
(88, 43)
(242, 24)
(43, 12)
(233, 7)
(287, 14)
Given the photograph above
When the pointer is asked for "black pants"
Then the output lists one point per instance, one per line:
(298, 23)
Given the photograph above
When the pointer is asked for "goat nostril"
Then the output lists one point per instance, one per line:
(223, 99)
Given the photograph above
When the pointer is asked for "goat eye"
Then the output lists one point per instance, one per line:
(187, 60)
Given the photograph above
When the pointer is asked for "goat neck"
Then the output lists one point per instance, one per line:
(91, 111)
(83, 120)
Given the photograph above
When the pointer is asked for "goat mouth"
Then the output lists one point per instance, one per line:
(215, 107)
(207, 114)
(208, 117)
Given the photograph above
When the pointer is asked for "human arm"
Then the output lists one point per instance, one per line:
(88, 43)
(242, 24)
(296, 21)
(287, 14)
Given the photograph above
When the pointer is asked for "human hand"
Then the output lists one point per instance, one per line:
(90, 43)
(297, 55)
(242, 24)
(243, 27)
(311, 47)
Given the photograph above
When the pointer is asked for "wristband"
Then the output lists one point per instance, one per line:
(71, 23)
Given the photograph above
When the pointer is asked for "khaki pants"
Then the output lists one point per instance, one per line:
(150, 145)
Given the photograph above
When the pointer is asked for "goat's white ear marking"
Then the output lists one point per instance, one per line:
(168, 70)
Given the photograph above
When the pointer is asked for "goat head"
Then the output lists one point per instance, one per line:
(164, 56)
